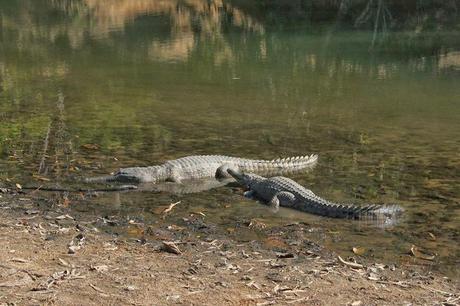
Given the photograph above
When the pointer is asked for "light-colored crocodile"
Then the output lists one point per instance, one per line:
(282, 191)
(207, 166)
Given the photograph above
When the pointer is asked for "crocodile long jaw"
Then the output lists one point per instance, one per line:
(100, 179)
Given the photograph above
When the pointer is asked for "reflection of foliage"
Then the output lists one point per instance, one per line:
(70, 23)
(408, 14)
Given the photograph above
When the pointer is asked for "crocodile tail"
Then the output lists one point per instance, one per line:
(280, 166)
(385, 214)
(382, 214)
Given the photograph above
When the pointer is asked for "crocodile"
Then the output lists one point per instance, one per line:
(207, 166)
(282, 191)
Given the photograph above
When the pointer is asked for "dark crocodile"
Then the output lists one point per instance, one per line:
(282, 191)
(207, 166)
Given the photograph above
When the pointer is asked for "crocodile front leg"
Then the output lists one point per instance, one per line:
(222, 171)
(282, 198)
(250, 194)
(175, 176)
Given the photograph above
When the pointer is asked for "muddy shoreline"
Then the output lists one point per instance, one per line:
(51, 256)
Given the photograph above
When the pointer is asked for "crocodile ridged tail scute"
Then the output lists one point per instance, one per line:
(322, 207)
(367, 212)
(283, 165)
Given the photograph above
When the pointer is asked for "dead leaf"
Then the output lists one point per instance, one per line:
(431, 236)
(275, 242)
(417, 252)
(73, 249)
(256, 224)
(171, 247)
(100, 268)
(359, 250)
(18, 186)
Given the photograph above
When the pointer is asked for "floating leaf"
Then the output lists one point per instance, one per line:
(359, 250)
(421, 254)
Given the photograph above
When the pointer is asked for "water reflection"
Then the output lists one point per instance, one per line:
(175, 26)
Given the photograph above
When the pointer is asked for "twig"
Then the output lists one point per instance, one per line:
(171, 206)
(436, 290)
(296, 301)
(401, 284)
(98, 289)
(350, 264)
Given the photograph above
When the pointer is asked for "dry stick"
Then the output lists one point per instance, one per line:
(58, 189)
(45, 149)
(171, 206)
(436, 290)
(401, 284)
(98, 290)
(350, 264)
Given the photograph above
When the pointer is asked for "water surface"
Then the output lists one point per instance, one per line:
(89, 86)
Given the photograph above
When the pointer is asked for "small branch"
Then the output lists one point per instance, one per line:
(350, 264)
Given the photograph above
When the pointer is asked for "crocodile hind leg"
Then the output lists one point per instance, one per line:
(282, 198)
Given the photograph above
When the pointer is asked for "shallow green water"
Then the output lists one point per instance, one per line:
(149, 81)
